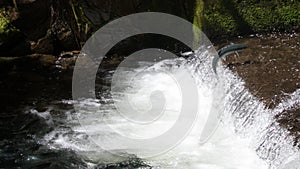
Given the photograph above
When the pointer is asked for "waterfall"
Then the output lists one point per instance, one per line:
(246, 137)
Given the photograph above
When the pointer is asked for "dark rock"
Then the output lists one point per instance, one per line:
(7, 64)
(40, 26)
(43, 46)
(34, 18)
(41, 106)
(64, 38)
(54, 26)
(11, 39)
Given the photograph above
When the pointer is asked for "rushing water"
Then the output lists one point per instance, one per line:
(247, 137)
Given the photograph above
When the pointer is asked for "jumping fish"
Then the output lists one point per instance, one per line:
(213, 118)
(226, 51)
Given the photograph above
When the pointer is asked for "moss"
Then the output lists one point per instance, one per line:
(7, 30)
(259, 18)
(218, 20)
(270, 15)
(290, 15)
(220, 23)
(233, 17)
(198, 19)
(198, 13)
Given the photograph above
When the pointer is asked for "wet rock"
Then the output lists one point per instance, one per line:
(39, 26)
(33, 18)
(43, 46)
(290, 119)
(41, 106)
(49, 27)
(39, 62)
(11, 39)
(47, 60)
(7, 64)
(270, 69)
(69, 54)
(65, 37)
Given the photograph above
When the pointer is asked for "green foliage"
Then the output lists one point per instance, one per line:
(259, 18)
(83, 23)
(218, 20)
(290, 15)
(269, 15)
(7, 31)
(233, 17)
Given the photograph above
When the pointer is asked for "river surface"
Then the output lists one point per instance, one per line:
(41, 129)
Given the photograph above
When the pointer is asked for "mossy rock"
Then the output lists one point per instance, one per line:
(8, 33)
(239, 17)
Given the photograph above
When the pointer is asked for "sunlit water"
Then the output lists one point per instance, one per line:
(50, 135)
(246, 138)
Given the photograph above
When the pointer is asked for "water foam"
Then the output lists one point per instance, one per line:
(248, 136)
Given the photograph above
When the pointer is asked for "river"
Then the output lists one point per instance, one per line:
(41, 129)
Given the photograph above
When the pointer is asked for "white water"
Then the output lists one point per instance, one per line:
(247, 137)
